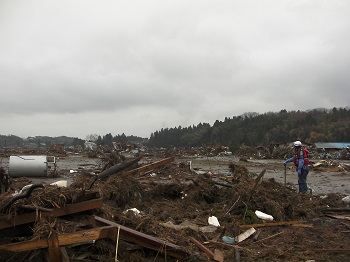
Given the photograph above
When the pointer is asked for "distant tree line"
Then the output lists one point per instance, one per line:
(108, 139)
(253, 129)
(12, 141)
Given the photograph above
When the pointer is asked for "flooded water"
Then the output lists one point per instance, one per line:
(320, 182)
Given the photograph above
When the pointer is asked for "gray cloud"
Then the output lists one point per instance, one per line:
(81, 67)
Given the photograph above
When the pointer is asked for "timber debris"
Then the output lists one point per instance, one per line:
(157, 209)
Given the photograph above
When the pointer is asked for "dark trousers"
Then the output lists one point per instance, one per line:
(302, 178)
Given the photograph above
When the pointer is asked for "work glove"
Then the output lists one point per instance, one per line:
(284, 163)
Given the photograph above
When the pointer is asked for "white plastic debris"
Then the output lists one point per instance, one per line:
(213, 221)
(60, 183)
(135, 210)
(263, 216)
(346, 200)
(245, 234)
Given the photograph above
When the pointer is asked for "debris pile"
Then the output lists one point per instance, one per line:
(164, 211)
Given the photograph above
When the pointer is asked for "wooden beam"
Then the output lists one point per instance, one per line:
(257, 181)
(56, 212)
(117, 168)
(338, 216)
(86, 236)
(54, 250)
(147, 168)
(79, 237)
(202, 247)
(277, 224)
(144, 240)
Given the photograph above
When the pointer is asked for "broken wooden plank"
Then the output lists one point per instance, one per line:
(218, 255)
(117, 168)
(257, 181)
(56, 212)
(276, 224)
(54, 250)
(147, 168)
(338, 216)
(79, 237)
(144, 240)
(114, 169)
(224, 244)
(207, 251)
(35, 208)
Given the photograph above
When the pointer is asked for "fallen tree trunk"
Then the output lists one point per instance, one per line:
(149, 167)
(115, 169)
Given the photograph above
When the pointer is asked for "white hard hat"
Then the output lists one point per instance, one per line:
(297, 143)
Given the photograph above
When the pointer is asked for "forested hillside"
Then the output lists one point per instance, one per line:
(252, 129)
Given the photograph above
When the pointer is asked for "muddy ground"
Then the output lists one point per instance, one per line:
(321, 181)
(177, 195)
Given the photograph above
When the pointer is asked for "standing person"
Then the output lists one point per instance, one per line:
(301, 162)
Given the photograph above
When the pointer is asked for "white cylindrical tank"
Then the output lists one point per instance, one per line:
(29, 166)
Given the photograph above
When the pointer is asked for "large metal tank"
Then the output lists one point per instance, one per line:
(31, 166)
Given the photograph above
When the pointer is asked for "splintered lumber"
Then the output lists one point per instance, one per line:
(224, 244)
(338, 216)
(203, 248)
(54, 250)
(114, 169)
(277, 224)
(79, 237)
(147, 168)
(35, 208)
(90, 235)
(218, 255)
(117, 168)
(144, 240)
(257, 181)
(55, 212)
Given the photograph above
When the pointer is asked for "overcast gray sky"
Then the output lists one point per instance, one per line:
(80, 67)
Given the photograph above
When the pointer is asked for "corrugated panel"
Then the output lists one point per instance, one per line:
(339, 145)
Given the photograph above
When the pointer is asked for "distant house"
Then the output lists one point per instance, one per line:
(59, 148)
(90, 145)
(330, 145)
